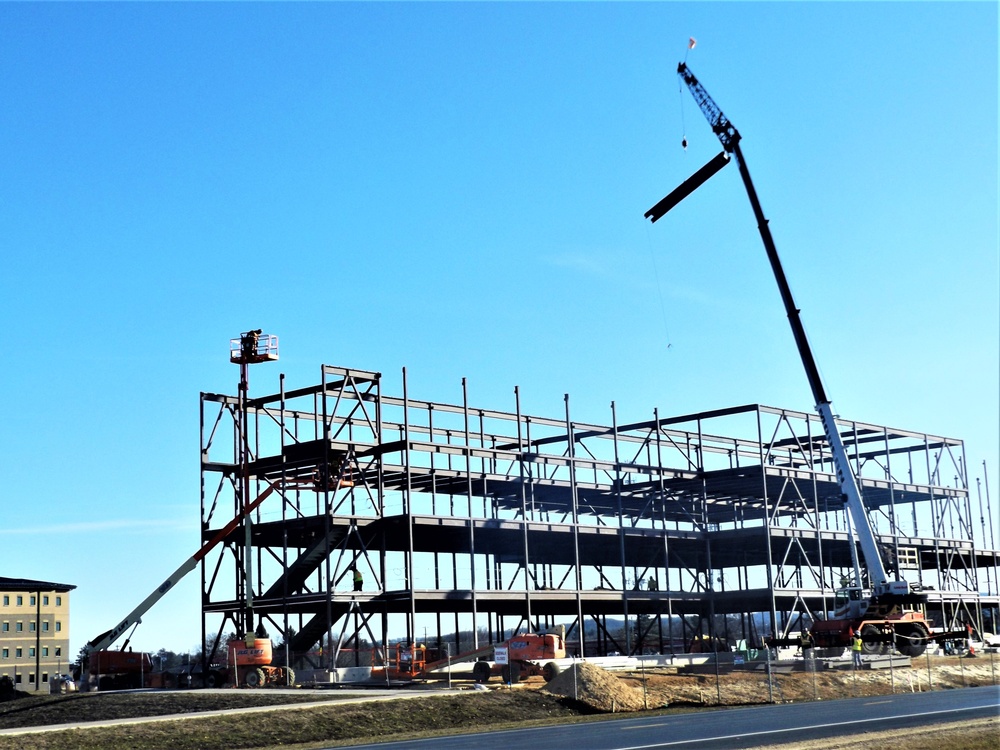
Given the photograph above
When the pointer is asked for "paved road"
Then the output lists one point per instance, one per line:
(738, 727)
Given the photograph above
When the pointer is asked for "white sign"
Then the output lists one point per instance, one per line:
(500, 654)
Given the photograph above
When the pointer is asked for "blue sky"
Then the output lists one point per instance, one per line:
(459, 189)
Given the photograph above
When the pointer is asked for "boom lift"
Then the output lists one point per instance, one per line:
(107, 638)
(525, 655)
(256, 655)
(252, 651)
(877, 612)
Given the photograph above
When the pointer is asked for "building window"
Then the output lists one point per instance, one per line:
(19, 626)
(31, 601)
(6, 653)
(18, 653)
(31, 626)
(31, 652)
(45, 626)
(58, 601)
(58, 650)
(45, 650)
(6, 627)
(45, 677)
(45, 600)
(58, 626)
(31, 677)
(20, 600)
(909, 558)
(6, 600)
(17, 678)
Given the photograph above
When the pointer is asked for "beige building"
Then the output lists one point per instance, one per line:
(34, 631)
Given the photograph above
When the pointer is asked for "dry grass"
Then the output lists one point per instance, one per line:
(352, 723)
(982, 734)
(45, 710)
(326, 725)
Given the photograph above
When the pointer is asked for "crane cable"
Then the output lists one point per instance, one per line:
(692, 42)
(659, 287)
(684, 138)
(649, 240)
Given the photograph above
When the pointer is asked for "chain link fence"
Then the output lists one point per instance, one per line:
(786, 675)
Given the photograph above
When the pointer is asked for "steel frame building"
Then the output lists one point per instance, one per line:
(462, 518)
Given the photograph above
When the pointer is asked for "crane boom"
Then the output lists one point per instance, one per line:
(721, 126)
(730, 139)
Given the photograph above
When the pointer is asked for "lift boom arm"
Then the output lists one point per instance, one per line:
(134, 617)
(730, 139)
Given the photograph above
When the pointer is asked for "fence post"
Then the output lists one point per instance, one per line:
(892, 672)
(767, 668)
(812, 668)
(718, 684)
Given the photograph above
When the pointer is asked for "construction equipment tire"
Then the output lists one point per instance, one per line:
(255, 678)
(911, 640)
(287, 677)
(550, 670)
(481, 671)
(511, 673)
(871, 640)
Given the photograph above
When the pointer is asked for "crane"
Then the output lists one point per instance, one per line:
(887, 594)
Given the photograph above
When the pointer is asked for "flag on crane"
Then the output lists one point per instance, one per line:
(692, 42)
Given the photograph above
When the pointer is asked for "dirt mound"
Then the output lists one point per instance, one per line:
(747, 688)
(658, 687)
(597, 688)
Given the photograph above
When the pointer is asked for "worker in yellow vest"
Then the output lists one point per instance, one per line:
(358, 578)
(856, 646)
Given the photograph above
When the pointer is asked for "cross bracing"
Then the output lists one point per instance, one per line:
(466, 518)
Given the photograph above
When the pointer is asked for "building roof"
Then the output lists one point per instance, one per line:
(27, 584)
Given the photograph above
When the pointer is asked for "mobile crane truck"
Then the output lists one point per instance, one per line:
(877, 612)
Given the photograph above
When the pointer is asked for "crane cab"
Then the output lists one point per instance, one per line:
(851, 602)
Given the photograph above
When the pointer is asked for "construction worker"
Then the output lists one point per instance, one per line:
(856, 646)
(970, 649)
(358, 578)
(249, 343)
